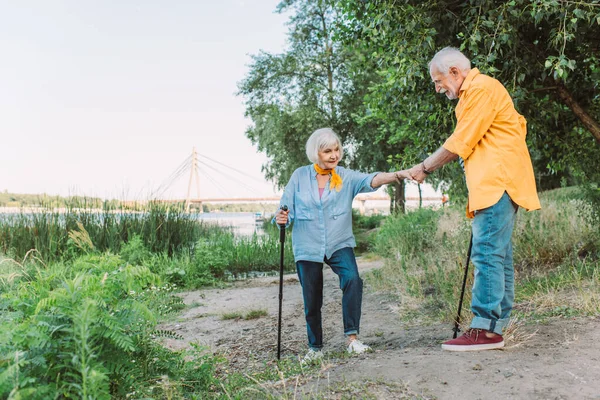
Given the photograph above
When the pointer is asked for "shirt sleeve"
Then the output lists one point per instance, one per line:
(473, 122)
(287, 198)
(361, 182)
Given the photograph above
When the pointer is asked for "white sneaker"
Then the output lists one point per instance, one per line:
(312, 356)
(358, 347)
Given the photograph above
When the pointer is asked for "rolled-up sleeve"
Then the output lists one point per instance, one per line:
(473, 121)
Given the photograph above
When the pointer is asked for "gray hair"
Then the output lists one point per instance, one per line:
(449, 57)
(322, 139)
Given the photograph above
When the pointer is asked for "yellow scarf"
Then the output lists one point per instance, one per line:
(336, 180)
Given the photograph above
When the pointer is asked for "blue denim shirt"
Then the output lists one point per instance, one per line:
(322, 225)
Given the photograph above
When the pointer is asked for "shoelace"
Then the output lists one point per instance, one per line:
(469, 333)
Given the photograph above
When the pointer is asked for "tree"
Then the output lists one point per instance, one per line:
(317, 82)
(544, 51)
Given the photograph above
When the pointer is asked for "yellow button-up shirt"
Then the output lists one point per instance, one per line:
(490, 137)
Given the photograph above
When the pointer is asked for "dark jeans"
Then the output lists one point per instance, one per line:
(310, 273)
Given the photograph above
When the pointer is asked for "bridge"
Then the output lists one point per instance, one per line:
(195, 163)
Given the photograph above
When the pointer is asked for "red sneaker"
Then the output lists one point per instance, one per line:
(474, 340)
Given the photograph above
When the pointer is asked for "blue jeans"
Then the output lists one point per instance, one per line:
(494, 286)
(310, 274)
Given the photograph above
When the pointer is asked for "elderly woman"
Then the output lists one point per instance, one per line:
(319, 199)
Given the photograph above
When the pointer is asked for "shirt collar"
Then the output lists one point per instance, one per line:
(468, 79)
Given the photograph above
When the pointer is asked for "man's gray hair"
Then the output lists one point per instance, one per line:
(322, 139)
(449, 57)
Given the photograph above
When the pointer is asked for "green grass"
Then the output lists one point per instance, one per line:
(169, 241)
(252, 314)
(256, 314)
(54, 232)
(100, 310)
(555, 250)
(86, 328)
(232, 315)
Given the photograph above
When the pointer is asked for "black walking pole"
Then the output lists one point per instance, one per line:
(282, 241)
(462, 292)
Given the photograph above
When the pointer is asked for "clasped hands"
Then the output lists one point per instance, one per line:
(416, 173)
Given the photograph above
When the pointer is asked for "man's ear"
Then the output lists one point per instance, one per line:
(454, 72)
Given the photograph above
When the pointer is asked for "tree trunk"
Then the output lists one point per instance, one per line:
(420, 196)
(590, 123)
(399, 197)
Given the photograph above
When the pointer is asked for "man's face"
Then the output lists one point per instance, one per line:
(447, 83)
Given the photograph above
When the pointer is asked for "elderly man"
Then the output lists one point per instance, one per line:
(490, 138)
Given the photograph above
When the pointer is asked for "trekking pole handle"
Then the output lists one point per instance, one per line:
(282, 226)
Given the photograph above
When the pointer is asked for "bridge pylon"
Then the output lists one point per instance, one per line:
(194, 177)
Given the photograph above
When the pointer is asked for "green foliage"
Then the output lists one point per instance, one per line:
(408, 234)
(544, 239)
(223, 254)
(316, 82)
(134, 251)
(426, 251)
(88, 330)
(43, 200)
(60, 234)
(592, 208)
(543, 51)
(362, 222)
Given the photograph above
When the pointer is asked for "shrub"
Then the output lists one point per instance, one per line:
(134, 251)
(88, 330)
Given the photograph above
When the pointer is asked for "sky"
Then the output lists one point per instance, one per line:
(109, 98)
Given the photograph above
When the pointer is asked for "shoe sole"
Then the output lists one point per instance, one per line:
(473, 347)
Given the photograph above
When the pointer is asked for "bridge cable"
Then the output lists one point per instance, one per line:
(234, 169)
(217, 184)
(250, 188)
(168, 182)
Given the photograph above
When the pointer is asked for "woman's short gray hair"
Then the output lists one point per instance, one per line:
(322, 139)
(449, 57)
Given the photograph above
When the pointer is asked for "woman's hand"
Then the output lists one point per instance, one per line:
(404, 174)
(281, 217)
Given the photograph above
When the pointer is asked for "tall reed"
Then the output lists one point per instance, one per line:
(163, 227)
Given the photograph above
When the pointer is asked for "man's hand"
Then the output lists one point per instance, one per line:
(281, 217)
(417, 173)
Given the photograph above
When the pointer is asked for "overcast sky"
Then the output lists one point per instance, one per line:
(108, 98)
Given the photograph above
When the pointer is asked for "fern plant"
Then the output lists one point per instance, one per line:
(88, 330)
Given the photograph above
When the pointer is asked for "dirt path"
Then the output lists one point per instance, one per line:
(558, 360)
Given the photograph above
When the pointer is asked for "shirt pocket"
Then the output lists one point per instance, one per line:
(341, 207)
(304, 210)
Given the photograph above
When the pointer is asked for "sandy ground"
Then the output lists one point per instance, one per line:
(559, 359)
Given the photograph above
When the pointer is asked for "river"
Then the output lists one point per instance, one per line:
(243, 223)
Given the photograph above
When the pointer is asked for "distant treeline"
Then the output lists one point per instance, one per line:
(43, 200)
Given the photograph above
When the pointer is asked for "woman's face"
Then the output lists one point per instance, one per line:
(329, 157)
